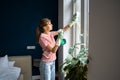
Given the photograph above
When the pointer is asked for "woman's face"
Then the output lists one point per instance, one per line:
(49, 26)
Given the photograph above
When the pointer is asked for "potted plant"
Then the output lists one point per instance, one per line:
(75, 67)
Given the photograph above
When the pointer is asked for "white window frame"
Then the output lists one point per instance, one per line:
(65, 13)
(81, 29)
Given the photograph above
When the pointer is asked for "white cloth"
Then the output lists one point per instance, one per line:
(11, 73)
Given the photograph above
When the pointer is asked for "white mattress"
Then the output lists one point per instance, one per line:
(11, 73)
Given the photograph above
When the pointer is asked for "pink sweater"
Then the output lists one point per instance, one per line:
(45, 40)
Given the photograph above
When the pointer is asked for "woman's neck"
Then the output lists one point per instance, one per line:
(46, 32)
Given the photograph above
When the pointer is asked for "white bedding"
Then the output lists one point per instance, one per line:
(10, 73)
(7, 69)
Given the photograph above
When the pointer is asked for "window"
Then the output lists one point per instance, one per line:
(79, 32)
(81, 29)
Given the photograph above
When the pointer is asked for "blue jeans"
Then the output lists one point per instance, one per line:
(47, 70)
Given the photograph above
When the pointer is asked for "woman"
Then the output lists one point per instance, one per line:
(45, 37)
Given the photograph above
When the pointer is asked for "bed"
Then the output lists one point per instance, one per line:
(21, 65)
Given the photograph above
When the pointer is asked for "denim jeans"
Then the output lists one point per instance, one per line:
(47, 70)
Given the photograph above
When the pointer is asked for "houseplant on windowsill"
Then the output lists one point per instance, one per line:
(75, 67)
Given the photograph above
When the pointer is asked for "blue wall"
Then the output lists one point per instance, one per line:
(18, 22)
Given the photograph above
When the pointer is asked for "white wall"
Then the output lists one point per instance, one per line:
(104, 30)
(64, 17)
(104, 40)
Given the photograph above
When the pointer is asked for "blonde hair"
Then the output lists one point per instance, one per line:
(39, 29)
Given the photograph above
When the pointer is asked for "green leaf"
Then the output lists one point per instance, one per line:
(75, 67)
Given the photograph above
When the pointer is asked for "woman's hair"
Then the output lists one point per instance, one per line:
(39, 29)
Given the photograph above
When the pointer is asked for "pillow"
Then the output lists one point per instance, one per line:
(11, 63)
(4, 62)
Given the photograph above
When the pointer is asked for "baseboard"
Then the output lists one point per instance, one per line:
(35, 77)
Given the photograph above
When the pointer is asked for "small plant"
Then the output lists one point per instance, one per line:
(75, 67)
